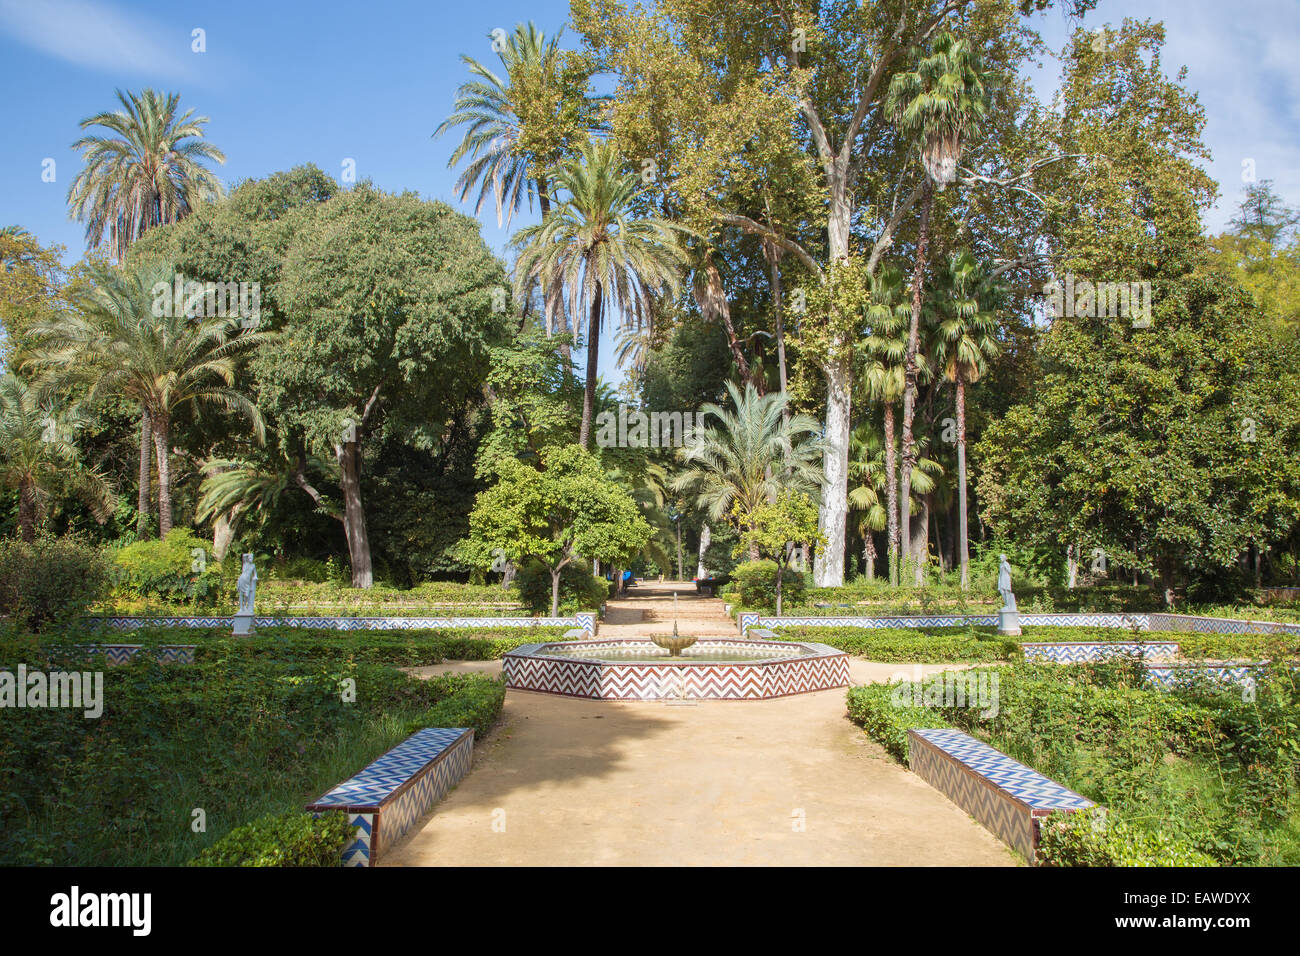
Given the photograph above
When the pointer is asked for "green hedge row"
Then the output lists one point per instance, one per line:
(295, 839)
(903, 645)
(872, 708)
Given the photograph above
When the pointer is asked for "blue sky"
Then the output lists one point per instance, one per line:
(286, 83)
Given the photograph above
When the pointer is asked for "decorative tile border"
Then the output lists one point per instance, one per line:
(1078, 652)
(1004, 795)
(525, 669)
(1174, 676)
(584, 620)
(748, 619)
(1219, 625)
(116, 654)
(389, 796)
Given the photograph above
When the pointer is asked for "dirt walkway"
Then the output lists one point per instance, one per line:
(790, 781)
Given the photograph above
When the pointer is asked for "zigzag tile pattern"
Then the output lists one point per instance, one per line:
(399, 788)
(1079, 652)
(749, 619)
(1002, 794)
(1220, 625)
(1173, 676)
(117, 654)
(524, 669)
(357, 853)
(583, 620)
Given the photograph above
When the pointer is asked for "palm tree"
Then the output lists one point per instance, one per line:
(750, 455)
(966, 338)
(941, 104)
(868, 469)
(149, 173)
(115, 344)
(884, 348)
(595, 246)
(233, 487)
(38, 458)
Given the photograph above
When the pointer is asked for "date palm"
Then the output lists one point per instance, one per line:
(148, 172)
(940, 104)
(38, 458)
(965, 339)
(749, 455)
(594, 247)
(115, 344)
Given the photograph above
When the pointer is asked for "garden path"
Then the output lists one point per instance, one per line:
(790, 781)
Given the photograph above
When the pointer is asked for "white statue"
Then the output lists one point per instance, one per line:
(1004, 584)
(247, 586)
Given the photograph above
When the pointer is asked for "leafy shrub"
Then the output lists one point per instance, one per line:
(50, 581)
(755, 583)
(873, 708)
(286, 839)
(177, 568)
(580, 590)
(1101, 839)
(905, 645)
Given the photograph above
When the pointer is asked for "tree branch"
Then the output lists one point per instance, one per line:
(758, 229)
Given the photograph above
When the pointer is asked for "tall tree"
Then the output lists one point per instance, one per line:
(133, 337)
(965, 340)
(387, 322)
(940, 105)
(596, 247)
(148, 172)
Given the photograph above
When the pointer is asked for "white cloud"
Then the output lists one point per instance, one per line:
(97, 36)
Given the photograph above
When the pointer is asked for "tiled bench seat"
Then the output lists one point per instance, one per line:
(1079, 652)
(1004, 795)
(115, 654)
(388, 797)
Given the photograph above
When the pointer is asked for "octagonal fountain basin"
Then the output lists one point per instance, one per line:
(710, 669)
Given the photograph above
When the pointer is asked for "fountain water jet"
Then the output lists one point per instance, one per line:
(675, 643)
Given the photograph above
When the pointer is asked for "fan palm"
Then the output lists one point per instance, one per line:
(596, 248)
(233, 487)
(965, 339)
(750, 455)
(869, 453)
(115, 345)
(148, 173)
(38, 458)
(941, 104)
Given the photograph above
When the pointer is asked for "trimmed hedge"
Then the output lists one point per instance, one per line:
(49, 582)
(1098, 838)
(286, 839)
(907, 646)
(871, 707)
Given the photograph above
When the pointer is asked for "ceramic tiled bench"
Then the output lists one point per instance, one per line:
(388, 797)
(115, 654)
(1078, 652)
(1004, 795)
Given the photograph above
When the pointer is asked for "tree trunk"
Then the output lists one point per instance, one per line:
(161, 427)
(593, 356)
(146, 468)
(27, 510)
(1071, 565)
(712, 301)
(774, 253)
(891, 494)
(910, 370)
(921, 553)
(680, 571)
(555, 591)
(706, 538)
(828, 567)
(780, 570)
(354, 515)
(223, 532)
(963, 547)
(869, 555)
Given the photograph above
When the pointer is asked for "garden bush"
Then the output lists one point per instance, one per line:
(179, 568)
(580, 590)
(911, 646)
(286, 839)
(50, 581)
(1101, 839)
(872, 707)
(754, 582)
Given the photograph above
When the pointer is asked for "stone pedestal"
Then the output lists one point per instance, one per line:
(1009, 622)
(243, 625)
